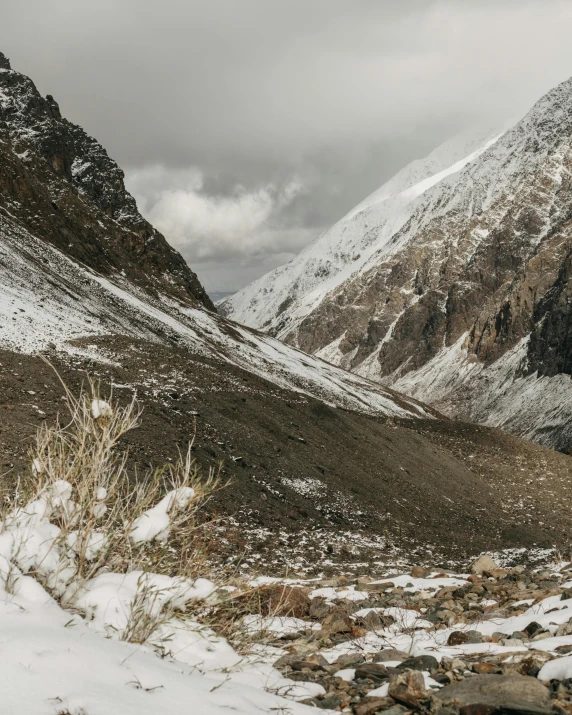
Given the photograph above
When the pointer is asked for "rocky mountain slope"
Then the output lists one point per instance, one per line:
(465, 301)
(306, 446)
(278, 301)
(61, 186)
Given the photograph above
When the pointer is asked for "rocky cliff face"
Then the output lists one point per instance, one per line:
(61, 185)
(468, 303)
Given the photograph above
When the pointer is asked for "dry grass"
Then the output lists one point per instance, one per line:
(98, 517)
(106, 499)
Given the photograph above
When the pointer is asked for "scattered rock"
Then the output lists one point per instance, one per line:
(337, 622)
(373, 671)
(319, 609)
(389, 654)
(497, 690)
(408, 688)
(458, 638)
(377, 587)
(420, 662)
(484, 564)
(347, 660)
(369, 706)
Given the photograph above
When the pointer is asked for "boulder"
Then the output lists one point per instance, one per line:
(497, 690)
(408, 688)
(484, 564)
(373, 671)
(420, 662)
(390, 654)
(337, 622)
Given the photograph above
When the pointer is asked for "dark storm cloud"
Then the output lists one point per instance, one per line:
(248, 126)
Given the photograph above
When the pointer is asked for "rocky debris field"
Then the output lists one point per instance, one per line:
(497, 640)
(437, 490)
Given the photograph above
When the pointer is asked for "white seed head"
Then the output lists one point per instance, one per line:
(100, 408)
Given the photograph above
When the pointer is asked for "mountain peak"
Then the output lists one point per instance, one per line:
(63, 186)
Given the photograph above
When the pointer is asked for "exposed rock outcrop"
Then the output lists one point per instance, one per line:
(61, 185)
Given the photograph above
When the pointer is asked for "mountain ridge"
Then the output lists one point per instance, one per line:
(481, 266)
(48, 162)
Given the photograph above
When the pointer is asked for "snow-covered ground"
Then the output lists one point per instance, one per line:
(536, 407)
(72, 655)
(113, 642)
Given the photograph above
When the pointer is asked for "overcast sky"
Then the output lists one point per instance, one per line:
(246, 127)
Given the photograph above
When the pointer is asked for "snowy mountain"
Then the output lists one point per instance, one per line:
(461, 298)
(279, 300)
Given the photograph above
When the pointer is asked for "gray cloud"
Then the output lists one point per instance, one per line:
(248, 126)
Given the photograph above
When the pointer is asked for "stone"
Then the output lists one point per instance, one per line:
(486, 668)
(484, 564)
(390, 654)
(4, 62)
(347, 660)
(372, 620)
(337, 622)
(316, 661)
(373, 671)
(541, 636)
(328, 702)
(497, 690)
(408, 688)
(474, 637)
(420, 572)
(377, 587)
(564, 629)
(420, 662)
(369, 706)
(532, 629)
(319, 609)
(511, 643)
(508, 709)
(458, 638)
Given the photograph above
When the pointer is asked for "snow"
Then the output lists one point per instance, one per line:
(424, 584)
(435, 215)
(347, 674)
(500, 395)
(155, 523)
(277, 625)
(556, 669)
(78, 661)
(52, 662)
(345, 594)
